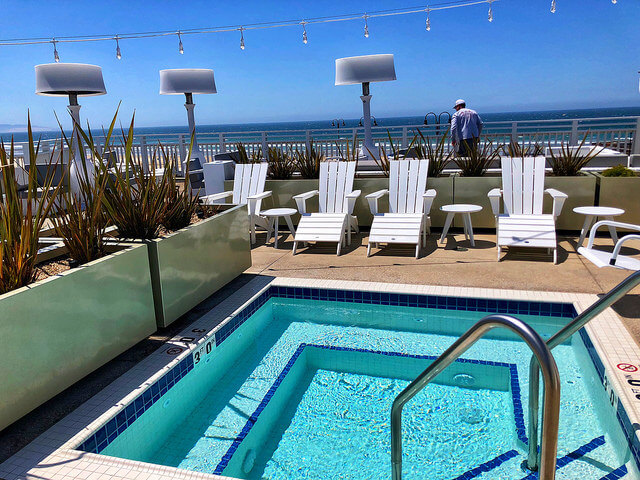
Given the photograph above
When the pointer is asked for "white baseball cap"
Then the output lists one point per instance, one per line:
(460, 102)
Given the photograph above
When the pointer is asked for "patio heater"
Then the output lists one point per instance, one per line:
(74, 80)
(189, 81)
(365, 69)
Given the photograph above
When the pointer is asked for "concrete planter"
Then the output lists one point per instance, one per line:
(56, 331)
(195, 262)
(474, 190)
(621, 192)
(581, 191)
(284, 190)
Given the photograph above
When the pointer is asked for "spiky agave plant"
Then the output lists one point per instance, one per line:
(135, 199)
(180, 203)
(350, 153)
(515, 149)
(383, 159)
(81, 220)
(569, 160)
(281, 165)
(308, 162)
(439, 157)
(244, 157)
(478, 159)
(22, 215)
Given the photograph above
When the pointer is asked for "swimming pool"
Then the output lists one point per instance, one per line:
(299, 384)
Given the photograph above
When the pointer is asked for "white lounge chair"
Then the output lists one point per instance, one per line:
(523, 224)
(248, 189)
(601, 258)
(336, 199)
(409, 205)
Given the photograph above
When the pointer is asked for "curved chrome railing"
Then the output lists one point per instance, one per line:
(551, 388)
(615, 294)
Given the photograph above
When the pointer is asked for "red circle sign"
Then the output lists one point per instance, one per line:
(627, 367)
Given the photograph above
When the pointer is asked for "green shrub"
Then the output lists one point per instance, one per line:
(619, 171)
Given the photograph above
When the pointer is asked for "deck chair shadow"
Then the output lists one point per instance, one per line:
(336, 200)
(602, 258)
(522, 224)
(248, 189)
(408, 220)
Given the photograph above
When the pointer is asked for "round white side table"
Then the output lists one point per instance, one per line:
(592, 214)
(273, 216)
(465, 210)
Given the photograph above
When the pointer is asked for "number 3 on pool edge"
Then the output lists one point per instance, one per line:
(196, 357)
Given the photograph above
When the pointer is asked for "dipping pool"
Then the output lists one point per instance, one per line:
(301, 388)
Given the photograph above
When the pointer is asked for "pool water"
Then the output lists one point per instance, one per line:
(303, 390)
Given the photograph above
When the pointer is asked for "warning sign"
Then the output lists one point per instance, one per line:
(627, 367)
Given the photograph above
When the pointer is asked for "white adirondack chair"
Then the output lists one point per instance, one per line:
(602, 258)
(522, 224)
(336, 198)
(409, 205)
(248, 189)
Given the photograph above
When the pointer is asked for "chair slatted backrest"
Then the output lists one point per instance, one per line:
(248, 180)
(523, 185)
(407, 184)
(336, 182)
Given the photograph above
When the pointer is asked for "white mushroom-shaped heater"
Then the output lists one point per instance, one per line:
(189, 81)
(365, 69)
(73, 80)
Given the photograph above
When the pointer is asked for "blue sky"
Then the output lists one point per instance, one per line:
(585, 55)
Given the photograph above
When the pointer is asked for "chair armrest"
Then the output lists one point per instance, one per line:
(212, 199)
(616, 250)
(610, 223)
(254, 202)
(301, 200)
(558, 200)
(427, 200)
(494, 197)
(372, 199)
(351, 200)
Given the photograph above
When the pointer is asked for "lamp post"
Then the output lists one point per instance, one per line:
(365, 69)
(73, 80)
(189, 81)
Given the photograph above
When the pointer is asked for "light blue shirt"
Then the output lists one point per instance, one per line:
(465, 124)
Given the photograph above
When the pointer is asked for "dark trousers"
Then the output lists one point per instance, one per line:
(466, 146)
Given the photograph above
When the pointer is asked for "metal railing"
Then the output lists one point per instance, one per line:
(542, 353)
(619, 134)
(615, 294)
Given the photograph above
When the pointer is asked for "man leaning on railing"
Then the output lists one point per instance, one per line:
(466, 127)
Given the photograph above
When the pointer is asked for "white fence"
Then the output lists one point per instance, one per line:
(620, 134)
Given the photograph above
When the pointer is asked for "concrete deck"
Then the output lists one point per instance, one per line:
(454, 263)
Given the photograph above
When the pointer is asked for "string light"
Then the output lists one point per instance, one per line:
(490, 16)
(553, 6)
(428, 19)
(118, 53)
(56, 57)
(180, 47)
(366, 26)
(614, 1)
(241, 38)
(305, 40)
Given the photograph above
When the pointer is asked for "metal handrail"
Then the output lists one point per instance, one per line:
(615, 294)
(550, 375)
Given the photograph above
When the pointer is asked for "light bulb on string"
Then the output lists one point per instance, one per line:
(118, 52)
(305, 40)
(428, 19)
(614, 1)
(553, 6)
(366, 27)
(490, 15)
(180, 47)
(241, 38)
(56, 57)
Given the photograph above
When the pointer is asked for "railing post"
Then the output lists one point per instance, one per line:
(514, 132)
(143, 154)
(183, 152)
(307, 140)
(265, 147)
(573, 139)
(636, 139)
(405, 139)
(223, 147)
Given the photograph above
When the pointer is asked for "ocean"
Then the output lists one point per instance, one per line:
(382, 122)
